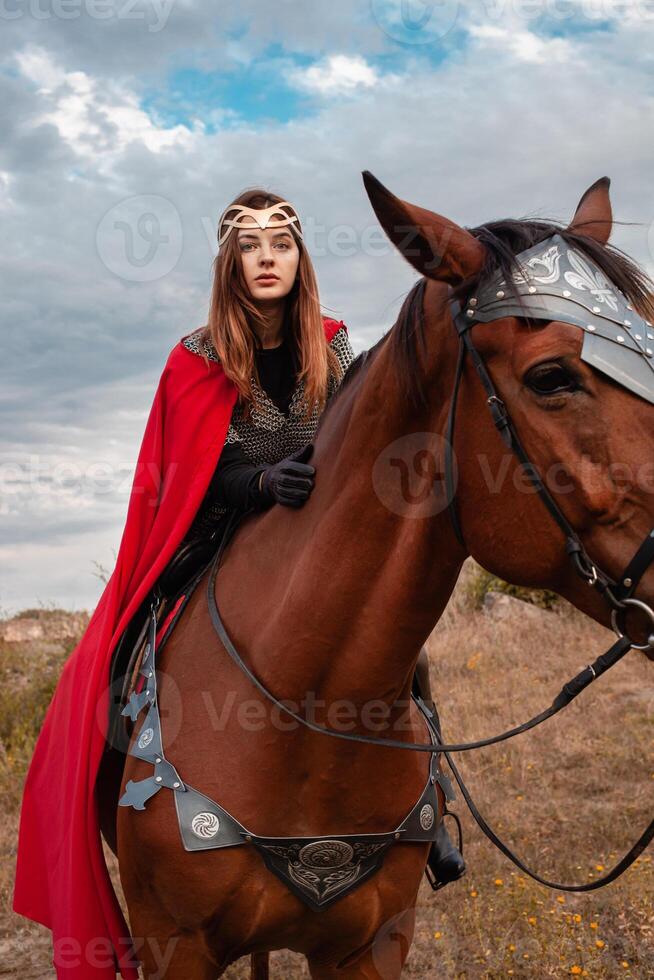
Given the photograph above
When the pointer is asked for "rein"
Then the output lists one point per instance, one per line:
(567, 694)
(618, 594)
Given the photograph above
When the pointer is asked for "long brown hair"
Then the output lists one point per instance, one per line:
(232, 312)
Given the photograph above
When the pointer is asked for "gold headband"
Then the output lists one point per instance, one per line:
(272, 217)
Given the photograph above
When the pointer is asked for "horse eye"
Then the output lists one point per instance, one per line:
(551, 379)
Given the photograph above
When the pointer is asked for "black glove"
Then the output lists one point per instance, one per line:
(290, 481)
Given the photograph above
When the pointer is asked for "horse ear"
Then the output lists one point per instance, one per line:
(435, 246)
(593, 216)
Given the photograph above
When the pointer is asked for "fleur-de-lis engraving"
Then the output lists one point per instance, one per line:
(548, 261)
(585, 277)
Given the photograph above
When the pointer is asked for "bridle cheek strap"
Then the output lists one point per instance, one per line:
(617, 594)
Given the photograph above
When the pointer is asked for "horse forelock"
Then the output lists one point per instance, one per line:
(505, 239)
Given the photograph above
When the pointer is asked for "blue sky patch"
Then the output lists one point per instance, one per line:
(251, 93)
(263, 90)
(571, 27)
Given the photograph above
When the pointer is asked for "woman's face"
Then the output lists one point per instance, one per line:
(271, 253)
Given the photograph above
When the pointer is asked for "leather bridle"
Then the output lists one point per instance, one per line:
(619, 595)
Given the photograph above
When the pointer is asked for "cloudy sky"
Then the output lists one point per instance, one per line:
(128, 125)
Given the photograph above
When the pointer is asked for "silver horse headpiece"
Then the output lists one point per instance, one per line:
(558, 282)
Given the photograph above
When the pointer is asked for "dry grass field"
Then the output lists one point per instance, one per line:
(569, 797)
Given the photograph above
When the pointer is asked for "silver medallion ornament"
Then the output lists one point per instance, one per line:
(427, 817)
(145, 738)
(205, 825)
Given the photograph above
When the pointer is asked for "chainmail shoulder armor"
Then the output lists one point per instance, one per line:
(269, 435)
(199, 347)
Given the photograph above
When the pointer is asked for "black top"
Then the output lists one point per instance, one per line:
(235, 482)
(277, 372)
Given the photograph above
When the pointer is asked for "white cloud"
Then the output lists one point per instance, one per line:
(36, 64)
(94, 117)
(337, 75)
(523, 45)
(5, 196)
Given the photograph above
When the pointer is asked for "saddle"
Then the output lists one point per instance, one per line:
(190, 558)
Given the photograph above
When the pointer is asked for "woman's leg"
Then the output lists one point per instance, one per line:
(422, 682)
(445, 860)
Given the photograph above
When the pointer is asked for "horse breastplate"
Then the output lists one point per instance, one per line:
(320, 869)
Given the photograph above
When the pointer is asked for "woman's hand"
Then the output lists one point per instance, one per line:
(290, 481)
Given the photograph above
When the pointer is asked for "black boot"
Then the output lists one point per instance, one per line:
(445, 862)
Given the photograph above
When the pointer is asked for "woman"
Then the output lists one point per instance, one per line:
(230, 428)
(266, 330)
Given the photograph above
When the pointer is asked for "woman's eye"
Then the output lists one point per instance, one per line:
(551, 380)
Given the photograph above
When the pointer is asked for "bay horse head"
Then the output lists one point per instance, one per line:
(557, 323)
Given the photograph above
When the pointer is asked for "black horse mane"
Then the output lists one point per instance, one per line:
(503, 241)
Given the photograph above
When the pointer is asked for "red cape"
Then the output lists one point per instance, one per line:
(61, 876)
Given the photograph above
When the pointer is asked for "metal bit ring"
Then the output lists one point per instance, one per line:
(647, 610)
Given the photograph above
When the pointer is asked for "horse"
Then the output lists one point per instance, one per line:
(338, 597)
